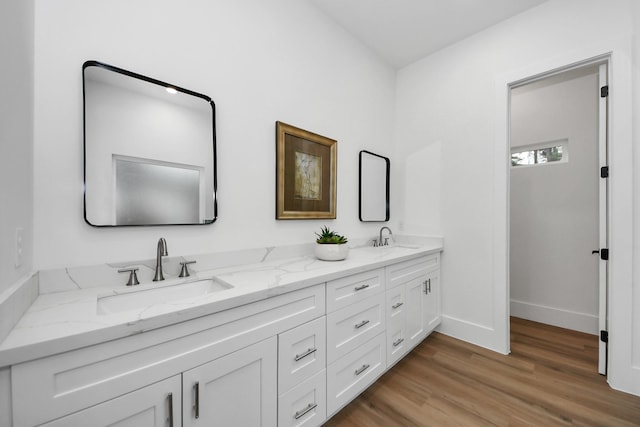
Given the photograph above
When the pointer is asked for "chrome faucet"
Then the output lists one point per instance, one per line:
(162, 251)
(386, 241)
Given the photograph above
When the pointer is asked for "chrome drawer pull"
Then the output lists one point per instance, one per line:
(196, 407)
(362, 369)
(359, 288)
(398, 342)
(310, 407)
(361, 324)
(170, 399)
(305, 354)
(397, 305)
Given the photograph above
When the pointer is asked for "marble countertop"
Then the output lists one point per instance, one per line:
(70, 319)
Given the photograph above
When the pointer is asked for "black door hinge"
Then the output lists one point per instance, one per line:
(604, 91)
(604, 336)
(604, 172)
(604, 254)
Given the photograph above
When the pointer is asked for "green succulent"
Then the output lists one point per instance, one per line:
(328, 236)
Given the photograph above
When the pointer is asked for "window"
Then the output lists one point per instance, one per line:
(548, 152)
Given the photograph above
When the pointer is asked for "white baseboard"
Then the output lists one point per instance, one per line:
(582, 322)
(474, 333)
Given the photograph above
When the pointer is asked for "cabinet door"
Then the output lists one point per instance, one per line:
(157, 405)
(235, 390)
(415, 309)
(432, 301)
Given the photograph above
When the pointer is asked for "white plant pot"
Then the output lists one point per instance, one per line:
(331, 251)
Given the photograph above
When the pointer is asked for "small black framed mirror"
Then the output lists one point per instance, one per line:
(149, 151)
(374, 187)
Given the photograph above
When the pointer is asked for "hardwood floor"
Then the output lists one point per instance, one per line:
(549, 379)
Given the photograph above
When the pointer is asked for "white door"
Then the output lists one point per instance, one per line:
(157, 405)
(238, 390)
(602, 195)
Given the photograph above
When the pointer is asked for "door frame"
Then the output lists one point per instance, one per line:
(601, 65)
(621, 371)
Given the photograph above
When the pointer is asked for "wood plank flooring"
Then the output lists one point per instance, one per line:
(549, 379)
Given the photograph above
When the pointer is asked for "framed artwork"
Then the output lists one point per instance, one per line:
(305, 174)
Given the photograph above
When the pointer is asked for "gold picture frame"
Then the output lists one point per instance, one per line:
(305, 174)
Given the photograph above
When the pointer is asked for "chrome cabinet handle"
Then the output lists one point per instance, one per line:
(300, 414)
(170, 399)
(305, 354)
(362, 369)
(427, 286)
(196, 407)
(398, 342)
(397, 305)
(361, 287)
(361, 324)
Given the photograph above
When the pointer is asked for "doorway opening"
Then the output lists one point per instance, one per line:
(558, 200)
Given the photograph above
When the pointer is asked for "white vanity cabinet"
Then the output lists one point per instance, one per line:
(292, 359)
(156, 405)
(412, 304)
(73, 381)
(238, 389)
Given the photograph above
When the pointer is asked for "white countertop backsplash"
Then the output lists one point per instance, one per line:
(65, 314)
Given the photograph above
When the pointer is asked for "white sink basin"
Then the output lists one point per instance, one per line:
(176, 293)
(390, 248)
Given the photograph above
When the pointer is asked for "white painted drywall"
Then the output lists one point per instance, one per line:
(260, 61)
(16, 138)
(554, 206)
(631, 298)
(457, 97)
(16, 159)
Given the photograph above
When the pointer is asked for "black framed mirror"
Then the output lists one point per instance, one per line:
(149, 151)
(374, 187)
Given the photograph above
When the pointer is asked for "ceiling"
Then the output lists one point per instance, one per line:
(404, 31)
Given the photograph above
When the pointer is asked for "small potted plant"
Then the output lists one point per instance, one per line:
(331, 246)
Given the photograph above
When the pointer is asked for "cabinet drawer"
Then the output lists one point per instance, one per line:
(350, 375)
(301, 353)
(306, 404)
(350, 289)
(352, 326)
(405, 271)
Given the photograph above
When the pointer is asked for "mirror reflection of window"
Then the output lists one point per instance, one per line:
(130, 116)
(374, 187)
(148, 193)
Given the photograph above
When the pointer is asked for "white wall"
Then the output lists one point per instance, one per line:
(260, 61)
(16, 162)
(16, 138)
(554, 206)
(457, 98)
